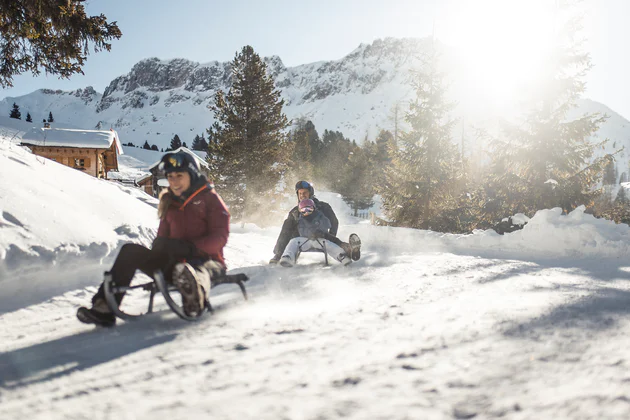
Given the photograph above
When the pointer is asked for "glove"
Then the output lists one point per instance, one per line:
(175, 247)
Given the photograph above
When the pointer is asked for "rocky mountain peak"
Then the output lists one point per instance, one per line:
(153, 75)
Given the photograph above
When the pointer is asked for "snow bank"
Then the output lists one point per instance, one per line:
(548, 235)
(49, 212)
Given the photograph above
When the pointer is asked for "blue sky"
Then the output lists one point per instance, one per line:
(301, 32)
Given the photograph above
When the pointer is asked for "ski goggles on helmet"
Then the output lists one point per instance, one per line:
(173, 162)
(307, 210)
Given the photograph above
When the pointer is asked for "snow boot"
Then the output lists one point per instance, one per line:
(99, 314)
(355, 245)
(285, 261)
(275, 260)
(189, 286)
(347, 249)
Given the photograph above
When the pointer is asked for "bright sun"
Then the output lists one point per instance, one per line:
(502, 42)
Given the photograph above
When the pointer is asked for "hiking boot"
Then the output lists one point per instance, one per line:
(355, 245)
(99, 314)
(347, 249)
(189, 286)
(275, 259)
(285, 261)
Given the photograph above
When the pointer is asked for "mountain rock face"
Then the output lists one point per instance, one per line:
(355, 95)
(160, 98)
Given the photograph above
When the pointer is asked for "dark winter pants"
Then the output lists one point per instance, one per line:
(133, 257)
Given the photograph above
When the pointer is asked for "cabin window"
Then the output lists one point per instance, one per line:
(79, 163)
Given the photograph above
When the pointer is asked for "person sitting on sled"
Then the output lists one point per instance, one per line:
(314, 231)
(188, 249)
(303, 190)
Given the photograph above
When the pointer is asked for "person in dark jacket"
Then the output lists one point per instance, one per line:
(314, 234)
(303, 190)
(188, 248)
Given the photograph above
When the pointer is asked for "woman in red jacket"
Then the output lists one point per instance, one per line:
(194, 228)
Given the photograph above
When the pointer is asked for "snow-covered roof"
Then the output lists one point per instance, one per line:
(200, 160)
(143, 177)
(66, 137)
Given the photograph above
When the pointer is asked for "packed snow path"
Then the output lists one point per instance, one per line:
(406, 332)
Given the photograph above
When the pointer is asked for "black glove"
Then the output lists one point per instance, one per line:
(179, 248)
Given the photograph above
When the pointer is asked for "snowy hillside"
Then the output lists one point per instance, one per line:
(530, 325)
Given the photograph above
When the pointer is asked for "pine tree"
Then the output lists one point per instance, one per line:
(248, 152)
(50, 117)
(384, 142)
(544, 161)
(610, 173)
(421, 180)
(28, 117)
(334, 155)
(184, 145)
(200, 143)
(384, 146)
(622, 197)
(50, 35)
(15, 112)
(356, 183)
(176, 143)
(301, 165)
(154, 147)
(146, 145)
(314, 141)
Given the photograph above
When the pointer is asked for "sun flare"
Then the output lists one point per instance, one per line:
(502, 43)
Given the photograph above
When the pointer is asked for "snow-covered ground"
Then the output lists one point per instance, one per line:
(529, 325)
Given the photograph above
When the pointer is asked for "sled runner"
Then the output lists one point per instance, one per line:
(160, 285)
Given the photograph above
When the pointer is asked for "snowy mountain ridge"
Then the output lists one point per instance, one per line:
(355, 95)
(160, 98)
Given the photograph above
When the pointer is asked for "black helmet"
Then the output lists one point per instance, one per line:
(305, 185)
(180, 162)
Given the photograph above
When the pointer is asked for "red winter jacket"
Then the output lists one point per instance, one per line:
(202, 219)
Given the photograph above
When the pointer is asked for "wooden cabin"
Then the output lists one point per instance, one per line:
(94, 152)
(146, 184)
